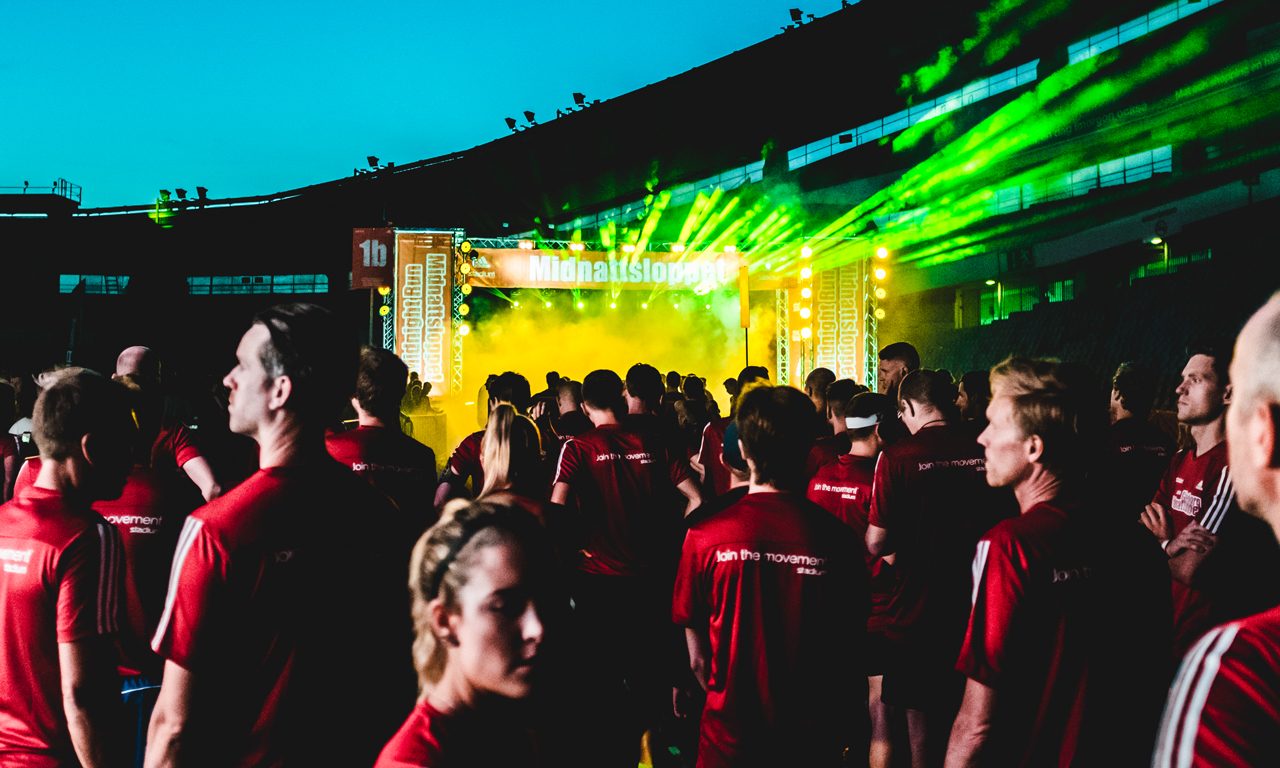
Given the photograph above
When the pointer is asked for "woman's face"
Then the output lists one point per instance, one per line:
(498, 624)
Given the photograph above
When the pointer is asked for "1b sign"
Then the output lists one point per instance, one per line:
(371, 262)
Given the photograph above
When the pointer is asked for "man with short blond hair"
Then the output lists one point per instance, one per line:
(1058, 653)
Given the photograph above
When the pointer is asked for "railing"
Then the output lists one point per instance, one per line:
(60, 187)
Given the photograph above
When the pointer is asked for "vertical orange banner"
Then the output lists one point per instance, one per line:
(422, 304)
(744, 293)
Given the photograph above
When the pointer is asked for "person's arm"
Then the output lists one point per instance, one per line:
(90, 700)
(1156, 519)
(691, 492)
(699, 654)
(878, 543)
(10, 475)
(972, 727)
(168, 737)
(1188, 552)
(560, 494)
(201, 473)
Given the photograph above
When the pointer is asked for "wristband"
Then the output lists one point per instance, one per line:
(1165, 546)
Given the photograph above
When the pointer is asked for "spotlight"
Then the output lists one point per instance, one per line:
(526, 245)
(677, 248)
(881, 293)
(465, 268)
(708, 306)
(1156, 240)
(548, 305)
(373, 161)
(581, 305)
(465, 246)
(464, 309)
(797, 15)
(806, 293)
(164, 195)
(182, 193)
(384, 310)
(511, 123)
(466, 289)
(613, 305)
(515, 304)
(806, 332)
(880, 273)
(806, 252)
(989, 281)
(644, 305)
(464, 329)
(579, 99)
(804, 313)
(879, 313)
(676, 305)
(528, 116)
(384, 290)
(202, 193)
(806, 273)
(731, 249)
(882, 253)
(628, 248)
(577, 247)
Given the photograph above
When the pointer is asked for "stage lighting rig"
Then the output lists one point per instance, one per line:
(511, 123)
(373, 161)
(164, 195)
(182, 193)
(528, 116)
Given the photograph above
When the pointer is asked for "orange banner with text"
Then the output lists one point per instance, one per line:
(594, 270)
(422, 304)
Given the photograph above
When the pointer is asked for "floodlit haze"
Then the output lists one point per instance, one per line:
(252, 98)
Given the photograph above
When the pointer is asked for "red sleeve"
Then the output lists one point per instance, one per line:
(881, 515)
(570, 462)
(689, 602)
(197, 593)
(679, 469)
(1164, 493)
(1224, 704)
(90, 573)
(465, 461)
(998, 586)
(704, 448)
(183, 445)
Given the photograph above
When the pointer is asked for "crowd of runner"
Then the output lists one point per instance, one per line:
(1022, 567)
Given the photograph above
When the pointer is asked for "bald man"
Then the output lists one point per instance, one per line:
(138, 361)
(1224, 708)
(174, 446)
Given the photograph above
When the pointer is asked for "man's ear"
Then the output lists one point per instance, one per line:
(1226, 394)
(281, 389)
(1271, 435)
(88, 447)
(1035, 449)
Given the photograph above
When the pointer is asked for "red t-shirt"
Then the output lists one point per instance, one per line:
(60, 573)
(717, 476)
(1140, 454)
(282, 591)
(433, 739)
(1224, 706)
(776, 583)
(843, 488)
(148, 515)
(825, 450)
(395, 464)
(26, 476)
(623, 486)
(931, 494)
(465, 461)
(1199, 488)
(1063, 625)
(174, 446)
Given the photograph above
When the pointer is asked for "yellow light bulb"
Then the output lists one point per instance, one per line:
(806, 293)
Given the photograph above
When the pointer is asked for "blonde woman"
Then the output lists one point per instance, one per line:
(511, 455)
(480, 580)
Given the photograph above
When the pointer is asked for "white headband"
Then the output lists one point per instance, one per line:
(860, 422)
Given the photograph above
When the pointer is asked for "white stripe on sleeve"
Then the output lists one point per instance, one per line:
(560, 461)
(108, 570)
(1222, 498)
(979, 565)
(188, 536)
(1175, 746)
